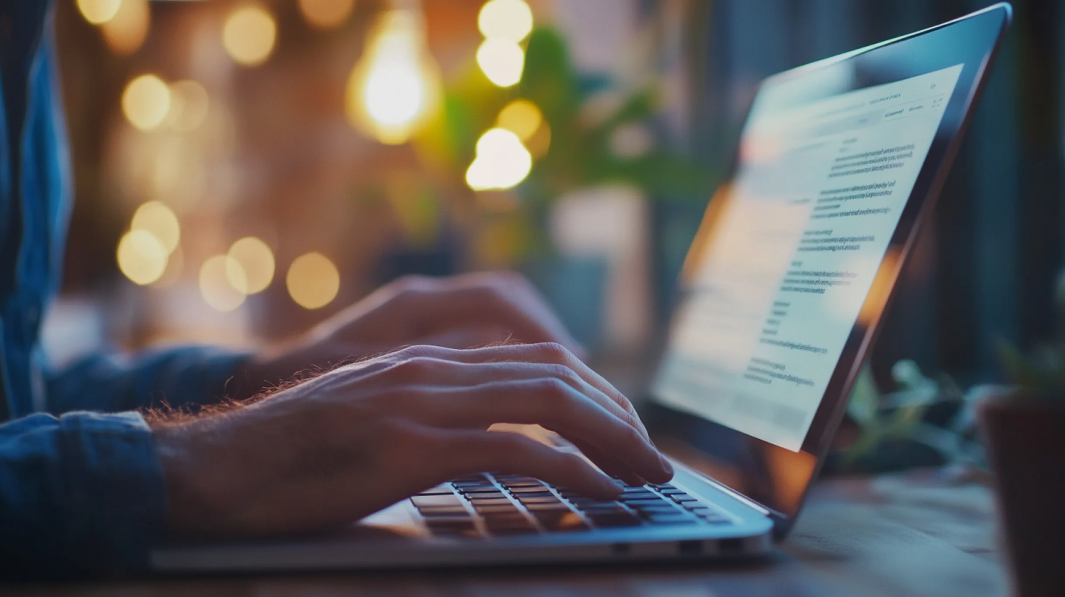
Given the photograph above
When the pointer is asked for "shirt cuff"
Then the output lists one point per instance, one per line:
(113, 500)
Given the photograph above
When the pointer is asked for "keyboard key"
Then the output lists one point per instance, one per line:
(491, 501)
(496, 509)
(530, 490)
(663, 509)
(481, 490)
(637, 494)
(564, 522)
(681, 499)
(438, 490)
(672, 492)
(548, 507)
(539, 500)
(614, 520)
(436, 500)
(428, 511)
(444, 521)
(644, 502)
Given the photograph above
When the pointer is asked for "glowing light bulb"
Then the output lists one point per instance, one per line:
(98, 12)
(158, 219)
(501, 60)
(222, 284)
(256, 261)
(313, 281)
(126, 30)
(326, 14)
(505, 19)
(395, 87)
(141, 257)
(520, 117)
(502, 162)
(249, 35)
(146, 101)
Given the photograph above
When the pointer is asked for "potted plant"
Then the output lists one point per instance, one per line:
(1025, 432)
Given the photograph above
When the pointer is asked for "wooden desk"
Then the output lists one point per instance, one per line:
(909, 535)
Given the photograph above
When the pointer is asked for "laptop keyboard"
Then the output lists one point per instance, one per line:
(504, 505)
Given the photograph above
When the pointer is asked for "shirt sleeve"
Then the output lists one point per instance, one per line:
(80, 495)
(119, 382)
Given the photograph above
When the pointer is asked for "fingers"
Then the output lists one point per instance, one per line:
(501, 300)
(553, 404)
(457, 453)
(474, 337)
(547, 353)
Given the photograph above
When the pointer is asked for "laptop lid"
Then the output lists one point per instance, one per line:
(798, 253)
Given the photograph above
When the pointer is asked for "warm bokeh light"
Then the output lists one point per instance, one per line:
(160, 221)
(141, 257)
(502, 162)
(127, 29)
(256, 261)
(326, 14)
(249, 35)
(501, 60)
(505, 19)
(395, 86)
(189, 103)
(313, 281)
(99, 11)
(146, 101)
(520, 117)
(222, 284)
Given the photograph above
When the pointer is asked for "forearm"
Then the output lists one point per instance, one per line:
(80, 495)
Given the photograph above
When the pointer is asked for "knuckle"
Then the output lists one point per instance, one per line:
(554, 352)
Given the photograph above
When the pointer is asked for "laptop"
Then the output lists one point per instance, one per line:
(779, 301)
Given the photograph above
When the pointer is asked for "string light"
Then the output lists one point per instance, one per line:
(326, 14)
(160, 221)
(520, 117)
(249, 35)
(141, 257)
(127, 29)
(505, 19)
(502, 162)
(222, 283)
(501, 60)
(313, 281)
(98, 12)
(146, 101)
(256, 262)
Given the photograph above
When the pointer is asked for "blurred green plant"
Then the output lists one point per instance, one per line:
(1041, 375)
(588, 121)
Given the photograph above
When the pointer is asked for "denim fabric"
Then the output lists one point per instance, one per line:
(81, 493)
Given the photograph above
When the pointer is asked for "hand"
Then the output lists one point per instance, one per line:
(358, 439)
(459, 312)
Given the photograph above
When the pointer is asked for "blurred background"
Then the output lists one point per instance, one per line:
(244, 169)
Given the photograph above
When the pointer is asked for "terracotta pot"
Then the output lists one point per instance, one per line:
(1026, 447)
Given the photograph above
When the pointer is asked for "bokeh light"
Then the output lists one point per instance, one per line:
(249, 35)
(313, 281)
(393, 89)
(128, 28)
(256, 261)
(141, 257)
(505, 19)
(326, 14)
(502, 162)
(520, 117)
(222, 284)
(99, 11)
(160, 221)
(146, 101)
(189, 104)
(501, 60)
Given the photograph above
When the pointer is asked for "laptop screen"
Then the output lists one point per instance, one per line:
(796, 258)
(772, 300)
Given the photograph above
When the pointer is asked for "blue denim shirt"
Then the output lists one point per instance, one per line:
(81, 489)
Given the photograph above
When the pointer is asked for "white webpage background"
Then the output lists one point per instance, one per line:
(818, 194)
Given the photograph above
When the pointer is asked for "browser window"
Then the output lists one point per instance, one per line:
(818, 194)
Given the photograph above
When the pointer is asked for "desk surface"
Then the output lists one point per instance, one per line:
(910, 535)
